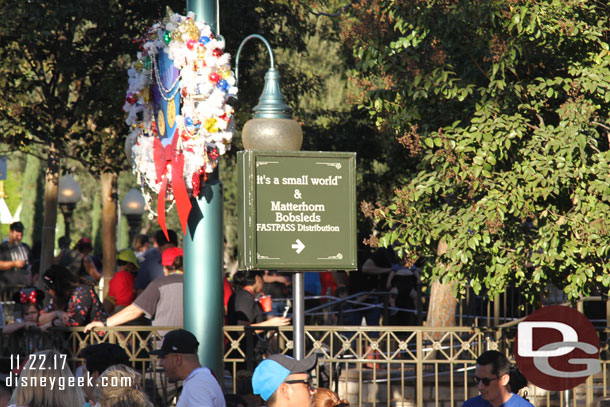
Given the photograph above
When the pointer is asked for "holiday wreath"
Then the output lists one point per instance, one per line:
(177, 110)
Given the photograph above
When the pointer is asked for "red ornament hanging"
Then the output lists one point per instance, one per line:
(214, 77)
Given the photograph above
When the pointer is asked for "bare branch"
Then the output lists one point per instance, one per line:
(478, 66)
(601, 125)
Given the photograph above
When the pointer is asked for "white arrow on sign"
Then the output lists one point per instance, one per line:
(299, 246)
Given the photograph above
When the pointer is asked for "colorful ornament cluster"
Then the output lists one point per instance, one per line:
(203, 125)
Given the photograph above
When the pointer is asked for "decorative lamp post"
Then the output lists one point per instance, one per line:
(132, 207)
(273, 128)
(68, 195)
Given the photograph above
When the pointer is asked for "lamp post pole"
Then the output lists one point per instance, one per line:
(203, 247)
(68, 195)
(66, 210)
(272, 128)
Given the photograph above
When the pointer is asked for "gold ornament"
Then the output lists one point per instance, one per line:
(210, 125)
(224, 73)
(161, 123)
(171, 112)
(193, 31)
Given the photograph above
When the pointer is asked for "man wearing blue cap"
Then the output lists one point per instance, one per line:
(284, 382)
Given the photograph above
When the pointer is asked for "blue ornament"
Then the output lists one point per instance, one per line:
(204, 40)
(188, 121)
(222, 85)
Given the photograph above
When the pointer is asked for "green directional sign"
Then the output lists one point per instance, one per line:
(297, 210)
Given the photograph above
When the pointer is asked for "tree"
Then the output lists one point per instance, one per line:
(503, 105)
(62, 69)
(309, 57)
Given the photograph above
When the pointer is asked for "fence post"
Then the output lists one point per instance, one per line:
(249, 331)
(419, 380)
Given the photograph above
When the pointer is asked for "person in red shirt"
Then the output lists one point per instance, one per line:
(121, 292)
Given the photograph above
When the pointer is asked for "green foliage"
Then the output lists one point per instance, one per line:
(12, 188)
(309, 57)
(62, 76)
(505, 104)
(32, 191)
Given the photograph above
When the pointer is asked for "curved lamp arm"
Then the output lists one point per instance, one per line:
(271, 104)
(248, 38)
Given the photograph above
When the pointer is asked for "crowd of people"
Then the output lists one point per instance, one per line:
(148, 280)
(380, 275)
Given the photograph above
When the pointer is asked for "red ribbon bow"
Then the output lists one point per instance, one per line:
(25, 298)
(164, 157)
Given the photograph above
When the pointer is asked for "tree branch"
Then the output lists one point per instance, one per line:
(478, 67)
(601, 125)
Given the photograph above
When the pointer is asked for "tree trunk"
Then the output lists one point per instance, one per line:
(441, 311)
(109, 217)
(50, 211)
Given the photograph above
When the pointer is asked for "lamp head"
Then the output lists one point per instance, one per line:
(272, 126)
(69, 191)
(133, 203)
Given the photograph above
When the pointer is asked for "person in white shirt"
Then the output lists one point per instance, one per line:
(178, 354)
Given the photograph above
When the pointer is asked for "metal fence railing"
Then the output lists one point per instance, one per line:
(368, 366)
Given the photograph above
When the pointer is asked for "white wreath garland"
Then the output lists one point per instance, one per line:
(204, 126)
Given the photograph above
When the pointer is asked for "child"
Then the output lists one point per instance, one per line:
(31, 302)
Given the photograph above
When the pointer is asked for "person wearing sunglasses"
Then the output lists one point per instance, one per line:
(284, 382)
(492, 376)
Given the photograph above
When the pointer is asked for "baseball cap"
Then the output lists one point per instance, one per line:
(168, 256)
(100, 356)
(177, 341)
(128, 256)
(271, 372)
(17, 227)
(84, 242)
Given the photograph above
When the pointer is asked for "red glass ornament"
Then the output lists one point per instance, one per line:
(214, 77)
(131, 100)
(190, 44)
(217, 52)
(184, 92)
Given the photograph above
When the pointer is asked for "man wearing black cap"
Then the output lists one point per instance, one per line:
(99, 357)
(15, 260)
(284, 382)
(178, 356)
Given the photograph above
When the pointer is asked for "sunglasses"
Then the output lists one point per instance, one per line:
(485, 380)
(307, 382)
